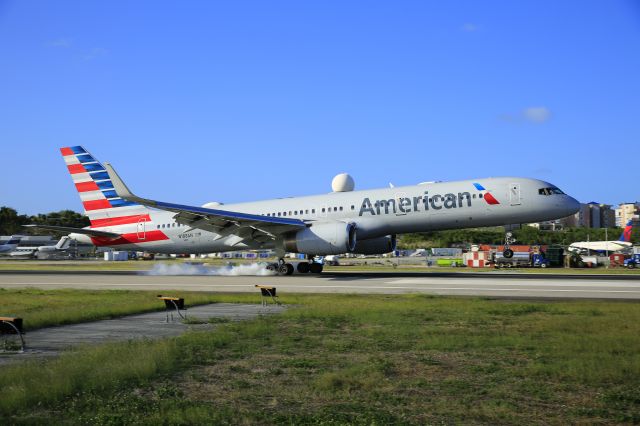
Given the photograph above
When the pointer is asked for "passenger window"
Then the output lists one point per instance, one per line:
(353, 207)
(480, 196)
(323, 210)
(474, 195)
(158, 226)
(335, 209)
(313, 211)
(340, 208)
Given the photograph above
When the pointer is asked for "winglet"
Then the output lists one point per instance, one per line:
(121, 188)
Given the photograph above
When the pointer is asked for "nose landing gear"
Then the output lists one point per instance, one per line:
(508, 240)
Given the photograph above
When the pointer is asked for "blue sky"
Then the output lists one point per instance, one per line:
(236, 101)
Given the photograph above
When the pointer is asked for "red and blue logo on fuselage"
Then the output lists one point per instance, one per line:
(490, 199)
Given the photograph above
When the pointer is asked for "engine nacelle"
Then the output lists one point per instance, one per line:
(380, 245)
(322, 239)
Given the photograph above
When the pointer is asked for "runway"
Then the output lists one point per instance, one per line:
(454, 284)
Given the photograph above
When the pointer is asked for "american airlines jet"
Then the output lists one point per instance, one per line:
(365, 221)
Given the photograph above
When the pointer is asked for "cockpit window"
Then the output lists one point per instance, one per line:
(550, 191)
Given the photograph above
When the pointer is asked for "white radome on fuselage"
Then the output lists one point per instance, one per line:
(375, 213)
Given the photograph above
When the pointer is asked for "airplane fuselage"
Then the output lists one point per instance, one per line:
(376, 213)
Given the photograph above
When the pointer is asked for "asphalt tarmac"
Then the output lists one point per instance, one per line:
(511, 285)
(46, 342)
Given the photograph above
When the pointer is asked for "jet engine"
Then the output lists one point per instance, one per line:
(322, 238)
(380, 245)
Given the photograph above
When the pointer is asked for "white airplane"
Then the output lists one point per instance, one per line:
(10, 245)
(33, 251)
(623, 243)
(361, 222)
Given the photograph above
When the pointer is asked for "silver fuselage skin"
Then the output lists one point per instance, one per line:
(375, 212)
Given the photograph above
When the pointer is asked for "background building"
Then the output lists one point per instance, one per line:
(625, 212)
(590, 215)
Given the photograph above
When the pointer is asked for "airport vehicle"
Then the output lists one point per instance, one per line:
(60, 248)
(633, 261)
(10, 245)
(344, 221)
(623, 243)
(538, 260)
(517, 260)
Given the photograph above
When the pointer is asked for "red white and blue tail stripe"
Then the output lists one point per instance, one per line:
(95, 188)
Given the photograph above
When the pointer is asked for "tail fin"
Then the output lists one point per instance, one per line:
(626, 234)
(64, 243)
(99, 199)
(13, 242)
(8, 246)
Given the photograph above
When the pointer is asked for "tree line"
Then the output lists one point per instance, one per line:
(11, 222)
(527, 235)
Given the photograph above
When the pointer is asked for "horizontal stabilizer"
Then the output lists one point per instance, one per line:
(85, 231)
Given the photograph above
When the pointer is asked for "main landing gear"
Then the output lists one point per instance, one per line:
(283, 268)
(508, 240)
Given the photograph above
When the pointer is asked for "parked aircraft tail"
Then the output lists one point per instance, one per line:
(13, 242)
(626, 233)
(64, 243)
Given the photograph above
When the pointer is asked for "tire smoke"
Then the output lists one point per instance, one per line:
(255, 269)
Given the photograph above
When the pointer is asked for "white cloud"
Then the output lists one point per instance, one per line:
(536, 114)
(62, 42)
(469, 28)
(96, 52)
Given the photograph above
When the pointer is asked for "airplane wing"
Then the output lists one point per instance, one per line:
(601, 245)
(85, 231)
(221, 222)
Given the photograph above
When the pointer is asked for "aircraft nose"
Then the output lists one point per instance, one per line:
(571, 205)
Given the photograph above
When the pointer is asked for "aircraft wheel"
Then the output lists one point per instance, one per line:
(543, 265)
(286, 269)
(631, 265)
(508, 265)
(273, 267)
(303, 267)
(508, 253)
(315, 268)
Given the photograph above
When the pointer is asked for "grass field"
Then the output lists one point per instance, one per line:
(355, 359)
(41, 308)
